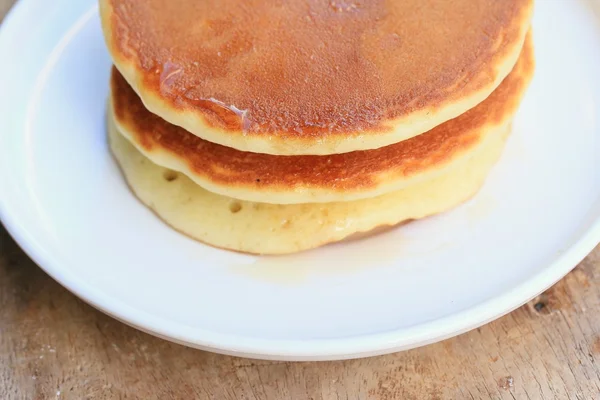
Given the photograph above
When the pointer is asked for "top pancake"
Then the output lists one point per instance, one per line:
(313, 77)
(309, 178)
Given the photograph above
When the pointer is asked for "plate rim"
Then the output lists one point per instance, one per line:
(583, 241)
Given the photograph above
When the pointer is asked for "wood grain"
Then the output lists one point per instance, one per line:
(53, 346)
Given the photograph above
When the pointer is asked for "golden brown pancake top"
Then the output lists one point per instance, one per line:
(313, 67)
(349, 171)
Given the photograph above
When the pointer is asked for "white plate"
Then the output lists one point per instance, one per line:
(64, 200)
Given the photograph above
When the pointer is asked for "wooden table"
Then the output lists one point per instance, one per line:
(53, 346)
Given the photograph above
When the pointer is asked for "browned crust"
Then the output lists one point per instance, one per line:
(355, 171)
(317, 68)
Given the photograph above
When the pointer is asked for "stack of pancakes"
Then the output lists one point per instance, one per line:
(270, 127)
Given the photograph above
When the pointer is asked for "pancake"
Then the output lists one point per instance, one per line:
(318, 179)
(279, 229)
(313, 77)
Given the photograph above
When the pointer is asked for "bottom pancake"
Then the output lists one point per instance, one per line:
(262, 228)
